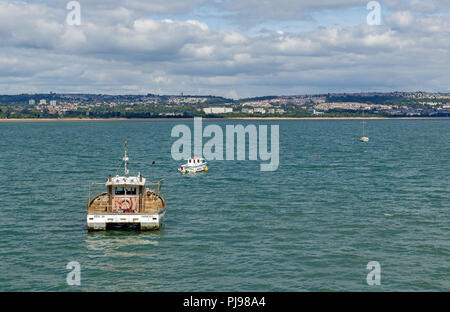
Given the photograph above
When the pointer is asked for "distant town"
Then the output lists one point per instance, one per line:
(369, 104)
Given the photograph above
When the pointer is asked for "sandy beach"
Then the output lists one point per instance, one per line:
(232, 118)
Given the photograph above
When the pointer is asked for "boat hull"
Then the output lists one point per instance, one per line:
(143, 222)
(364, 139)
(192, 169)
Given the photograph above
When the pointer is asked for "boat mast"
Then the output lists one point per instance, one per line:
(363, 125)
(126, 159)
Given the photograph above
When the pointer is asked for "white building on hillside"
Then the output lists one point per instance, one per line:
(217, 110)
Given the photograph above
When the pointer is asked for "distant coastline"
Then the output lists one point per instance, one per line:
(153, 106)
(4, 120)
(333, 118)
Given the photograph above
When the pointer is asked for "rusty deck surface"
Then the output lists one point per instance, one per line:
(149, 203)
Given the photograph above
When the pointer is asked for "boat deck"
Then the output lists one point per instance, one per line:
(151, 204)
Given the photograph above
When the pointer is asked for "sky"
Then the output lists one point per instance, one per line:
(231, 48)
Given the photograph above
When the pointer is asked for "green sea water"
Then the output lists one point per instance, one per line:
(312, 225)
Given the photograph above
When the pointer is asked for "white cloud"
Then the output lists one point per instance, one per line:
(39, 51)
(425, 6)
(234, 38)
(258, 10)
(402, 19)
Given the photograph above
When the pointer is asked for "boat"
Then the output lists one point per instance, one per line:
(126, 202)
(364, 137)
(194, 165)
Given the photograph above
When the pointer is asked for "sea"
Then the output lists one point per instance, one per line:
(333, 206)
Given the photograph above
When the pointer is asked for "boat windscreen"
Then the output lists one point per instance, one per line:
(131, 191)
(119, 191)
(125, 191)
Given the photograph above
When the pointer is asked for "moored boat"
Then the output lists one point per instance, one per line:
(364, 137)
(194, 165)
(127, 202)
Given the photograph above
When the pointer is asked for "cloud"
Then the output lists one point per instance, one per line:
(263, 10)
(136, 7)
(429, 6)
(123, 50)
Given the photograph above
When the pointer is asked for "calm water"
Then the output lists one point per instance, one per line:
(313, 225)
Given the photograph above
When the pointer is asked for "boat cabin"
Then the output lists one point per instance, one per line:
(126, 193)
(196, 161)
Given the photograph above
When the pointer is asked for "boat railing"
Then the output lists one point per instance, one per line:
(95, 188)
(156, 187)
(102, 207)
(98, 188)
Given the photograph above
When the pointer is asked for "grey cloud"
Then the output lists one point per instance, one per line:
(40, 52)
(428, 6)
(283, 9)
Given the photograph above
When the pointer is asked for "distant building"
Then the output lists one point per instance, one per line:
(53, 102)
(32, 102)
(247, 110)
(314, 112)
(171, 114)
(259, 110)
(42, 102)
(217, 110)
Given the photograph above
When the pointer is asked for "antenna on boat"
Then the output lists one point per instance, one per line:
(126, 159)
(153, 166)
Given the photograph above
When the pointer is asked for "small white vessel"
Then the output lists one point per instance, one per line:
(194, 165)
(364, 137)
